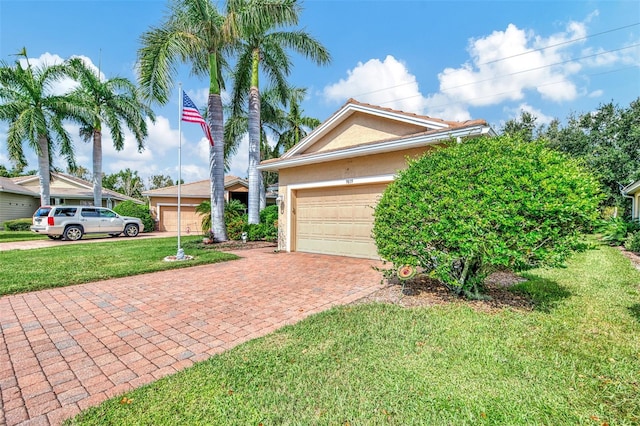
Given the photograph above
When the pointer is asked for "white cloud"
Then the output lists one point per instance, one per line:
(386, 83)
(541, 118)
(596, 93)
(504, 66)
(507, 64)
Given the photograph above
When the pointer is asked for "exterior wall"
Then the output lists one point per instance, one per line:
(370, 169)
(362, 128)
(188, 205)
(17, 206)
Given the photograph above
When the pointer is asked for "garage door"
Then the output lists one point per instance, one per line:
(337, 220)
(191, 221)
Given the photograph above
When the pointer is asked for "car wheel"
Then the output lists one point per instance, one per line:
(131, 230)
(73, 233)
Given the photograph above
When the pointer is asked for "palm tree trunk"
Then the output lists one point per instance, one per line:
(44, 172)
(254, 155)
(216, 167)
(97, 168)
(263, 193)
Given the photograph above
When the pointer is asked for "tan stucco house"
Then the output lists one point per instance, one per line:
(20, 196)
(633, 191)
(331, 180)
(163, 203)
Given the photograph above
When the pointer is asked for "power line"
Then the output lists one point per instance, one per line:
(519, 54)
(560, 44)
(466, 101)
(541, 67)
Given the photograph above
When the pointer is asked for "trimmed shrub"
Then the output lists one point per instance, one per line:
(465, 210)
(632, 243)
(614, 231)
(129, 208)
(18, 224)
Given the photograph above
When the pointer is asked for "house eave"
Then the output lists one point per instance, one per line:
(352, 108)
(631, 188)
(379, 148)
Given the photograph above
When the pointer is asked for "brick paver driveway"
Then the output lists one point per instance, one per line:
(66, 349)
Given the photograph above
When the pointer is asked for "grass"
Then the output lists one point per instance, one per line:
(37, 269)
(575, 360)
(12, 236)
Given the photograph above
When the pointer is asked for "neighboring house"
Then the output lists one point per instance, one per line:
(633, 191)
(20, 196)
(163, 203)
(330, 181)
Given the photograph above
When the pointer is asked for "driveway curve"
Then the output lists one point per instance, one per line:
(66, 349)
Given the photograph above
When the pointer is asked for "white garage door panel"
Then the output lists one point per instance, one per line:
(191, 221)
(337, 220)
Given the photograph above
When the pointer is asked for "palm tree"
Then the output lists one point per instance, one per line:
(296, 125)
(285, 127)
(111, 103)
(194, 32)
(36, 116)
(262, 46)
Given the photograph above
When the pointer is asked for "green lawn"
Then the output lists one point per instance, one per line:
(36, 269)
(575, 360)
(11, 236)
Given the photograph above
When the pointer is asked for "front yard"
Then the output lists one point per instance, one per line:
(571, 357)
(36, 269)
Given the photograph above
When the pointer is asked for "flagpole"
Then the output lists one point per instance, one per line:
(180, 254)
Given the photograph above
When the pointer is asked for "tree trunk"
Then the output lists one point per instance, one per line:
(263, 193)
(216, 168)
(255, 180)
(254, 156)
(44, 172)
(97, 168)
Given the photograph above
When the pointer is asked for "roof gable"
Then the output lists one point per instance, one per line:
(65, 186)
(359, 129)
(356, 123)
(198, 189)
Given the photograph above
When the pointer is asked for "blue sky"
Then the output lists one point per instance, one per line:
(454, 60)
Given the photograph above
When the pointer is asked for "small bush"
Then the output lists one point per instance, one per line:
(129, 208)
(236, 225)
(17, 224)
(614, 231)
(465, 210)
(632, 243)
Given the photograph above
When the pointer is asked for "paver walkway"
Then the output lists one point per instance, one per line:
(63, 350)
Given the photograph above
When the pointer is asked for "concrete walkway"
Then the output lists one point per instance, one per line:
(66, 349)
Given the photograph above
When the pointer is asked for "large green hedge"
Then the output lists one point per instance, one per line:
(462, 211)
(129, 208)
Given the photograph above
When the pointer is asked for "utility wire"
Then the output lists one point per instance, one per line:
(542, 67)
(560, 44)
(516, 55)
(466, 101)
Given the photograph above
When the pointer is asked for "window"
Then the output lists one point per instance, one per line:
(65, 211)
(107, 213)
(89, 213)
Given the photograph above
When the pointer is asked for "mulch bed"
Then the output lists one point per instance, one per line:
(424, 291)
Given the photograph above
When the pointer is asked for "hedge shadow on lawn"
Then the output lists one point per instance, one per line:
(545, 294)
(634, 310)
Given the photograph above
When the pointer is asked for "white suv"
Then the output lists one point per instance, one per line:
(72, 222)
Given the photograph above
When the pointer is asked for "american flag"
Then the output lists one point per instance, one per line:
(191, 114)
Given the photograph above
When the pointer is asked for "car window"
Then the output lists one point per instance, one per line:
(42, 211)
(107, 213)
(89, 213)
(65, 211)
